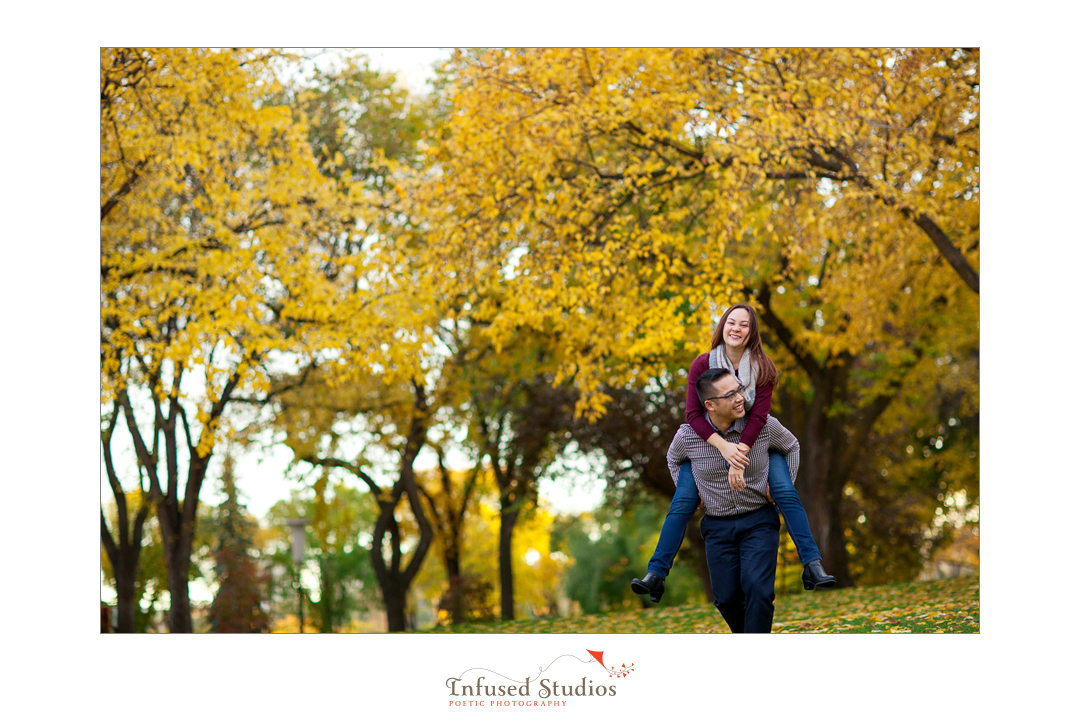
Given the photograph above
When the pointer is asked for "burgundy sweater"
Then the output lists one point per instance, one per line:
(695, 411)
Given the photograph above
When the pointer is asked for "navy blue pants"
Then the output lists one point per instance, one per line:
(742, 567)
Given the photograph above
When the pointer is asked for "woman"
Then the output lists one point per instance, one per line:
(736, 345)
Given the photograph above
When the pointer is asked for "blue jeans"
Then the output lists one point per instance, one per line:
(686, 501)
(787, 501)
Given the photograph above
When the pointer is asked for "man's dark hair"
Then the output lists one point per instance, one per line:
(706, 380)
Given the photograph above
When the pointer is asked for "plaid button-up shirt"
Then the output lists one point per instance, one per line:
(711, 470)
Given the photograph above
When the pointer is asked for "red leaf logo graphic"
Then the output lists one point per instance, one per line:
(621, 672)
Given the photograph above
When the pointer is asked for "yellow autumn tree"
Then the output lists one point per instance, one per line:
(224, 251)
(613, 201)
(595, 194)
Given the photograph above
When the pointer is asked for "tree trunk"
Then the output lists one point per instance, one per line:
(124, 558)
(507, 520)
(177, 539)
(820, 489)
(394, 600)
(177, 523)
(125, 595)
(822, 442)
(394, 580)
(176, 517)
(828, 447)
(451, 521)
(179, 603)
(123, 552)
(178, 563)
(456, 582)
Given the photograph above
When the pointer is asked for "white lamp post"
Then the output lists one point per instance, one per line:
(299, 548)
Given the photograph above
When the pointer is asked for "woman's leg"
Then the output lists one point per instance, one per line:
(682, 508)
(787, 499)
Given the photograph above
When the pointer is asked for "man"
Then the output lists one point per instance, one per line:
(741, 527)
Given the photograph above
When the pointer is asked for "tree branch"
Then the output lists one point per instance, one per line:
(941, 241)
(304, 375)
(950, 252)
(144, 457)
(110, 472)
(769, 318)
(187, 431)
(869, 416)
(345, 465)
(124, 189)
(110, 544)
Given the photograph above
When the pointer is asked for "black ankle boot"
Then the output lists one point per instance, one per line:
(815, 578)
(652, 585)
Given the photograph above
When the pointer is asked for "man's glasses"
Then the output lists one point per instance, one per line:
(737, 391)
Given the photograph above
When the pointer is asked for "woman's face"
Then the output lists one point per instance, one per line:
(737, 328)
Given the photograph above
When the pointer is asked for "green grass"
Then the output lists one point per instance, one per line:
(939, 606)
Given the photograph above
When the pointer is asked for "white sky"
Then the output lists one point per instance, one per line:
(412, 65)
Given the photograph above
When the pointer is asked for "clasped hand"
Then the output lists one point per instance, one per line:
(737, 481)
(738, 460)
(736, 455)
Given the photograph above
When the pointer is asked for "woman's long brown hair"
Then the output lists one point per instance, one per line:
(767, 374)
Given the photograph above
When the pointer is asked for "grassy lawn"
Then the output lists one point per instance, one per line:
(950, 606)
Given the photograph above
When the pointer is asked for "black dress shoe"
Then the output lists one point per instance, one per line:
(814, 577)
(652, 585)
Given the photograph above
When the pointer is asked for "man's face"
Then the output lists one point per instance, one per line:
(727, 408)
